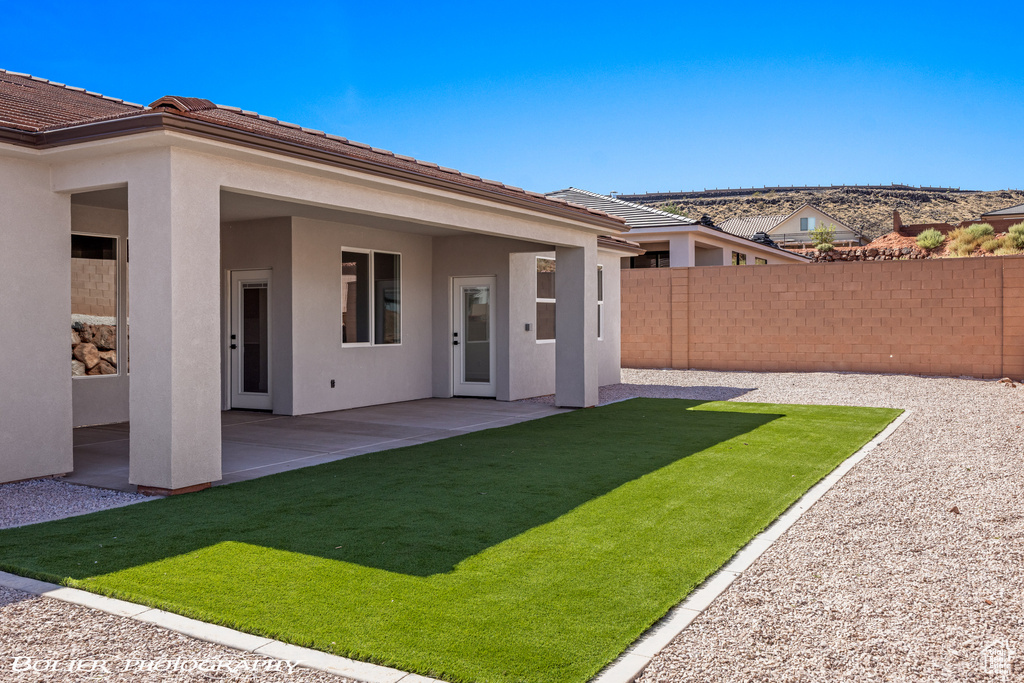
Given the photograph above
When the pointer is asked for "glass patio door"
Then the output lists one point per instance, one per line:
(473, 342)
(250, 340)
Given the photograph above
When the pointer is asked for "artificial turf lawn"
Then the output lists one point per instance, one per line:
(535, 552)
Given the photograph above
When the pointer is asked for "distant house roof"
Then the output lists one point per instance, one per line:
(748, 226)
(39, 113)
(1008, 211)
(635, 215)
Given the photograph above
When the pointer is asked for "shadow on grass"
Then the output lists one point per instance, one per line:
(418, 510)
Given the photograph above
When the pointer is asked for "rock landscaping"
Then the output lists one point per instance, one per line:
(93, 349)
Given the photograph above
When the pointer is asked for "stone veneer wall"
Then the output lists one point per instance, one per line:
(932, 317)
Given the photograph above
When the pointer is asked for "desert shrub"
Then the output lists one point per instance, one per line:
(931, 238)
(1015, 236)
(1007, 249)
(991, 245)
(980, 230)
(823, 237)
(961, 242)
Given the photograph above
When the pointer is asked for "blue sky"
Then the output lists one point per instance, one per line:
(606, 96)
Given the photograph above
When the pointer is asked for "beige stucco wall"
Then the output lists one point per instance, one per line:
(791, 226)
(104, 399)
(35, 265)
(365, 375)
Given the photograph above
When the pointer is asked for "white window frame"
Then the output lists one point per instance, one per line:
(371, 310)
(543, 301)
(600, 302)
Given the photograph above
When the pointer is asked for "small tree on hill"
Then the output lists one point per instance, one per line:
(823, 237)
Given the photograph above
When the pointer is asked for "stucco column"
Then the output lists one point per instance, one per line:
(681, 251)
(174, 325)
(576, 376)
(35, 305)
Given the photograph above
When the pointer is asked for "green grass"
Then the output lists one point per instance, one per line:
(536, 552)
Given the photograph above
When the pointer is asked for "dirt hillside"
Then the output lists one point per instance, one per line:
(866, 209)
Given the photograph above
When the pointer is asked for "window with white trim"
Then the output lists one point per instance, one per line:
(600, 303)
(545, 299)
(94, 305)
(371, 298)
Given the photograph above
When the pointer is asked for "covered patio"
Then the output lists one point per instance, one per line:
(256, 444)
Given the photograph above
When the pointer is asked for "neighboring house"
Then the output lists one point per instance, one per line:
(1000, 223)
(1009, 213)
(673, 240)
(793, 231)
(272, 267)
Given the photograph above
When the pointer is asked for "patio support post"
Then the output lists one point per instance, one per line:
(576, 376)
(35, 296)
(681, 251)
(174, 326)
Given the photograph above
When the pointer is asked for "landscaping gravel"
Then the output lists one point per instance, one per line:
(65, 642)
(42, 500)
(911, 568)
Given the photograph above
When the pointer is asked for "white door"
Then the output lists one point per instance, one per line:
(250, 340)
(473, 343)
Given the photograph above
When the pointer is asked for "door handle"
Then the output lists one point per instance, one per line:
(234, 346)
(455, 343)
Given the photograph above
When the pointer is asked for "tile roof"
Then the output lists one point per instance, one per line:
(750, 225)
(1008, 211)
(635, 215)
(35, 105)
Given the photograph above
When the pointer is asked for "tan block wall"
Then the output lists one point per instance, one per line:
(93, 287)
(934, 317)
(647, 317)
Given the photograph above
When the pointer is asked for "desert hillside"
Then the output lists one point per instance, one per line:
(866, 209)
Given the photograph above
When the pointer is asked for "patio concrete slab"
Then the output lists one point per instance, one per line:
(256, 444)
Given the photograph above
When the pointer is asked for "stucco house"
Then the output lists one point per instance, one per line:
(671, 240)
(793, 231)
(266, 266)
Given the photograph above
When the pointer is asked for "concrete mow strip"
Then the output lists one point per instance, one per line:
(625, 669)
(628, 667)
(212, 633)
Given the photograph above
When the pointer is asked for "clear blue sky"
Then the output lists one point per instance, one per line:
(620, 96)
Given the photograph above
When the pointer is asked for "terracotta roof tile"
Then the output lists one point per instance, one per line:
(30, 103)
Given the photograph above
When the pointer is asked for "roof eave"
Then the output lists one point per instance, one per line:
(163, 121)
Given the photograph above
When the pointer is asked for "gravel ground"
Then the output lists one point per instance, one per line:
(41, 500)
(56, 635)
(882, 579)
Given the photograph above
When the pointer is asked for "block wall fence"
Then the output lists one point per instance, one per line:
(93, 286)
(931, 317)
